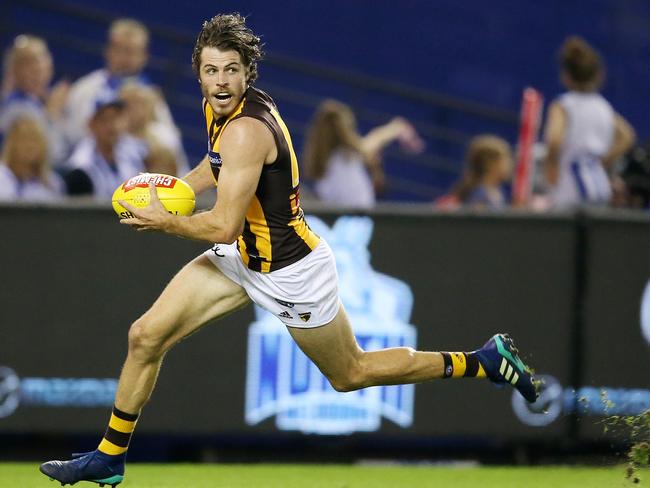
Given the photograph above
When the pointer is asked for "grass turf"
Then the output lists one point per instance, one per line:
(26, 475)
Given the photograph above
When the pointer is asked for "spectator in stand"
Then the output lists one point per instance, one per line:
(583, 134)
(107, 156)
(488, 165)
(166, 154)
(126, 55)
(27, 92)
(25, 173)
(344, 165)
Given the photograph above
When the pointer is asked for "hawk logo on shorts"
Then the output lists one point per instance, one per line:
(285, 315)
(305, 316)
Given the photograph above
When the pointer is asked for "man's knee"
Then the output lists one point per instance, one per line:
(143, 342)
(350, 380)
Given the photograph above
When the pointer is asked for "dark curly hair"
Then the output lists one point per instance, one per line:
(229, 32)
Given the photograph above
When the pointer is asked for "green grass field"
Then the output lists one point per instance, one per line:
(26, 475)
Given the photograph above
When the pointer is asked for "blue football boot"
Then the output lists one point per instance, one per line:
(94, 466)
(500, 360)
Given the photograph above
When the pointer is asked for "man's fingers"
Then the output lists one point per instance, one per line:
(128, 207)
(131, 221)
(153, 192)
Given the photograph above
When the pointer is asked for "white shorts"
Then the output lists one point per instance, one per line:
(304, 294)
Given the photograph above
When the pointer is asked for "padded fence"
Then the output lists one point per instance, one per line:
(569, 289)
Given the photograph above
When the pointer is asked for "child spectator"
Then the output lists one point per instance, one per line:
(344, 165)
(583, 134)
(488, 165)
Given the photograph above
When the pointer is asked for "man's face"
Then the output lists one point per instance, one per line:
(108, 126)
(126, 53)
(223, 79)
(33, 70)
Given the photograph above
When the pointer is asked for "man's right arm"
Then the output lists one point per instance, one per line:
(200, 178)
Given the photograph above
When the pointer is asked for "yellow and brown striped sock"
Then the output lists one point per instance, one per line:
(462, 365)
(118, 434)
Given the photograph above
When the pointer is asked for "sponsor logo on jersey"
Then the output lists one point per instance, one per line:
(143, 180)
(217, 251)
(215, 159)
(305, 316)
(285, 315)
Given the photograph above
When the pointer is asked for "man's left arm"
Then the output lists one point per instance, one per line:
(245, 146)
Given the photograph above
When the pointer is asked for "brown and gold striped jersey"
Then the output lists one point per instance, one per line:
(275, 232)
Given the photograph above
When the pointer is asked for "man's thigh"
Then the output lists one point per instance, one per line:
(332, 347)
(198, 293)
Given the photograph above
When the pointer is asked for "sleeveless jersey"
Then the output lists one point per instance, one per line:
(275, 232)
(588, 137)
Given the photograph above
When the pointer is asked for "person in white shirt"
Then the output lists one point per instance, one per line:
(584, 136)
(126, 56)
(107, 157)
(25, 173)
(344, 165)
(27, 92)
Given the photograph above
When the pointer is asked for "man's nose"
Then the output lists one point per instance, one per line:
(221, 79)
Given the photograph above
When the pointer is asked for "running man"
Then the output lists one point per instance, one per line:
(265, 252)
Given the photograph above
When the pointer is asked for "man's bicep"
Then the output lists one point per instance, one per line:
(243, 148)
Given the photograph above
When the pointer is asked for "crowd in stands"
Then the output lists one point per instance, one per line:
(585, 141)
(84, 138)
(87, 137)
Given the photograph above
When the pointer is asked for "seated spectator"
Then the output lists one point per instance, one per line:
(107, 157)
(24, 170)
(27, 92)
(344, 165)
(166, 154)
(488, 165)
(126, 55)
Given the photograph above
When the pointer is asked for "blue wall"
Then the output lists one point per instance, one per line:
(485, 51)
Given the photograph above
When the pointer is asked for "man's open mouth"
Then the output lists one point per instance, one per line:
(223, 97)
